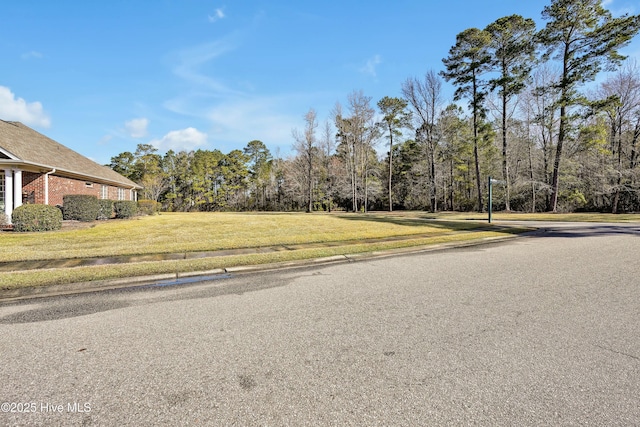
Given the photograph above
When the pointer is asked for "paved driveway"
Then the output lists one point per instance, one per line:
(539, 331)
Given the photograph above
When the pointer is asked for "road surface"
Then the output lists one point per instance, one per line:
(543, 330)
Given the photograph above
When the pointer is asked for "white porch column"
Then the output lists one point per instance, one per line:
(17, 188)
(8, 193)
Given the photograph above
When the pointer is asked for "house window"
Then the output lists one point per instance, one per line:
(120, 193)
(88, 184)
(104, 192)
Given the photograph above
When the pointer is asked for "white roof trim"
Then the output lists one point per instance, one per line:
(8, 154)
(84, 176)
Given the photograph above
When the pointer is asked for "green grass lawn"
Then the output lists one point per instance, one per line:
(202, 232)
(190, 232)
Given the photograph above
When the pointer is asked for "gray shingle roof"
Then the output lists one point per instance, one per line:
(29, 146)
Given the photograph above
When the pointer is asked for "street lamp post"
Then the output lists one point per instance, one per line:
(491, 182)
(490, 208)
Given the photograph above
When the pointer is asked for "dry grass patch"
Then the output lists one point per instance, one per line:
(16, 280)
(193, 232)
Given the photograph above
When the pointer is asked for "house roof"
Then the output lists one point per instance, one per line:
(21, 144)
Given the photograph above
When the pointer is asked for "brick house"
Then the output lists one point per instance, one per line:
(37, 169)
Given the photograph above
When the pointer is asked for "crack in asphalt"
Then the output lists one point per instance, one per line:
(622, 353)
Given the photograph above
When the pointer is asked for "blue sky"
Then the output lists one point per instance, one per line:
(102, 77)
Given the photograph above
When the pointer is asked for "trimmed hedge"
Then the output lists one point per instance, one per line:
(148, 207)
(36, 218)
(80, 207)
(125, 208)
(106, 209)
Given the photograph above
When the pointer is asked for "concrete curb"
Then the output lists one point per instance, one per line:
(9, 295)
(79, 287)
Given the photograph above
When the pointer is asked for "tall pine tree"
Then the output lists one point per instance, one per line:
(468, 60)
(512, 49)
(584, 37)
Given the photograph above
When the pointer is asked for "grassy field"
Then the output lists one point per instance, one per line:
(302, 236)
(189, 232)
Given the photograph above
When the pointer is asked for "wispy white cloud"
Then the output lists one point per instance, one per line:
(234, 112)
(137, 128)
(370, 67)
(105, 140)
(242, 120)
(235, 120)
(185, 139)
(31, 55)
(189, 63)
(218, 14)
(30, 113)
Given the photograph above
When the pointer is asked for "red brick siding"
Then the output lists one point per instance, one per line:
(61, 186)
(32, 188)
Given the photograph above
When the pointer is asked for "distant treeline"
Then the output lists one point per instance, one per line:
(534, 119)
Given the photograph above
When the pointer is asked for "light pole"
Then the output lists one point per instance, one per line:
(491, 182)
(490, 208)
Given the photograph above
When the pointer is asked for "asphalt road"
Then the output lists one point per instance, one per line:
(542, 330)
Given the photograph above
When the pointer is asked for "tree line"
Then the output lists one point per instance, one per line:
(534, 117)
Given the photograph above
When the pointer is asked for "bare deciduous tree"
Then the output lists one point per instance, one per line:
(306, 147)
(425, 98)
(357, 134)
(623, 114)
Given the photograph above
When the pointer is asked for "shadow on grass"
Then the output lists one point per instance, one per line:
(589, 231)
(419, 221)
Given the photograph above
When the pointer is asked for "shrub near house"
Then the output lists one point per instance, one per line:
(125, 208)
(36, 218)
(88, 208)
(148, 207)
(85, 208)
(106, 209)
(80, 207)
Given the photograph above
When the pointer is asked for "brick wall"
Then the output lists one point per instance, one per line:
(32, 188)
(61, 186)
